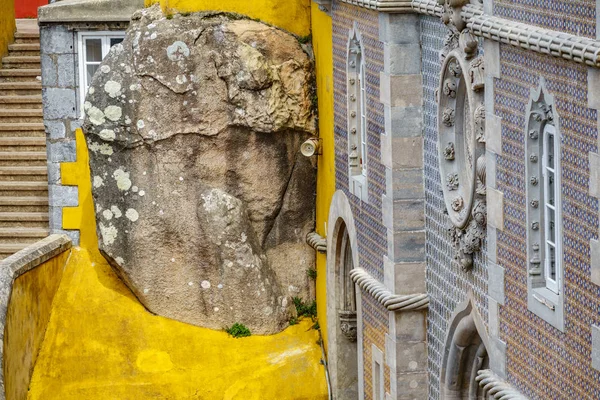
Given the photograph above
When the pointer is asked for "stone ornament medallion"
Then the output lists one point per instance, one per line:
(461, 143)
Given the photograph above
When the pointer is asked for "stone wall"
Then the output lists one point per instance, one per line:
(447, 285)
(372, 237)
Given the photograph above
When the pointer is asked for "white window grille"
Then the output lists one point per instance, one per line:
(552, 257)
(93, 47)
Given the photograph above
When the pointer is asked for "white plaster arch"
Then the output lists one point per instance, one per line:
(341, 217)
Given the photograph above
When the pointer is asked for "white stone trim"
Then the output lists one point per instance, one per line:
(340, 211)
(392, 302)
(497, 388)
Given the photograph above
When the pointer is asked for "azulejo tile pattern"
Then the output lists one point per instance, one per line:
(577, 17)
(447, 285)
(541, 361)
(372, 235)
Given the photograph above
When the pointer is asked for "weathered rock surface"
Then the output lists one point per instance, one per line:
(203, 200)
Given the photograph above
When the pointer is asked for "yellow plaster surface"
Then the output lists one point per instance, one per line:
(290, 15)
(101, 343)
(323, 48)
(7, 25)
(26, 321)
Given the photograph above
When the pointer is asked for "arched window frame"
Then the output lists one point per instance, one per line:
(356, 73)
(545, 264)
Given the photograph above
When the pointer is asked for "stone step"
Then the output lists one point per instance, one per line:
(24, 49)
(7, 249)
(23, 158)
(21, 115)
(20, 88)
(23, 204)
(22, 144)
(20, 75)
(27, 35)
(24, 233)
(22, 186)
(26, 62)
(22, 217)
(24, 173)
(12, 126)
(28, 102)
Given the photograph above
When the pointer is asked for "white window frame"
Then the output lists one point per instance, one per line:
(105, 37)
(552, 241)
(362, 77)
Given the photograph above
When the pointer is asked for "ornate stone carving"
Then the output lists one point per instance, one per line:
(450, 88)
(448, 117)
(479, 121)
(462, 127)
(477, 74)
(353, 156)
(348, 324)
(452, 181)
(449, 152)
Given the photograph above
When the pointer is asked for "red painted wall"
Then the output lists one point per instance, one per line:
(28, 8)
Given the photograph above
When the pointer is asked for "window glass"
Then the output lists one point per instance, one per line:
(114, 41)
(90, 71)
(93, 50)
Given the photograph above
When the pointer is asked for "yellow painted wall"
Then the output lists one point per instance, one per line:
(7, 25)
(290, 15)
(102, 344)
(26, 321)
(323, 46)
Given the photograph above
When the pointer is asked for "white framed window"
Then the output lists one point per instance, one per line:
(92, 48)
(545, 294)
(552, 211)
(356, 72)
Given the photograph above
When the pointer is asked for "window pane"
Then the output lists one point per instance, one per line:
(114, 41)
(551, 157)
(552, 262)
(93, 49)
(551, 193)
(91, 70)
(551, 224)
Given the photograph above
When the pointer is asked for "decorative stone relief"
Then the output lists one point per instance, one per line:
(348, 324)
(462, 136)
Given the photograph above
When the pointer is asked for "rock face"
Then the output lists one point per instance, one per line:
(203, 200)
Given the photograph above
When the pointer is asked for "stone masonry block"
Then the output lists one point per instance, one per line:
(493, 133)
(65, 196)
(401, 59)
(411, 357)
(401, 90)
(596, 347)
(495, 208)
(74, 235)
(405, 183)
(491, 51)
(61, 151)
(399, 28)
(59, 103)
(490, 168)
(53, 173)
(595, 174)
(493, 317)
(595, 261)
(492, 247)
(56, 39)
(49, 71)
(55, 129)
(593, 80)
(497, 353)
(55, 217)
(410, 327)
(496, 282)
(488, 6)
(403, 121)
(407, 152)
(406, 246)
(412, 386)
(409, 215)
(390, 352)
(404, 278)
(66, 70)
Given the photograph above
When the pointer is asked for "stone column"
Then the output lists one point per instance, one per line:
(404, 201)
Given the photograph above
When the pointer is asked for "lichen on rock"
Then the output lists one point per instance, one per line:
(203, 201)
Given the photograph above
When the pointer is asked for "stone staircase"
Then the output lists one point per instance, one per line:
(23, 170)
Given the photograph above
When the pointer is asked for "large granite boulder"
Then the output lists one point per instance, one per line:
(203, 201)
